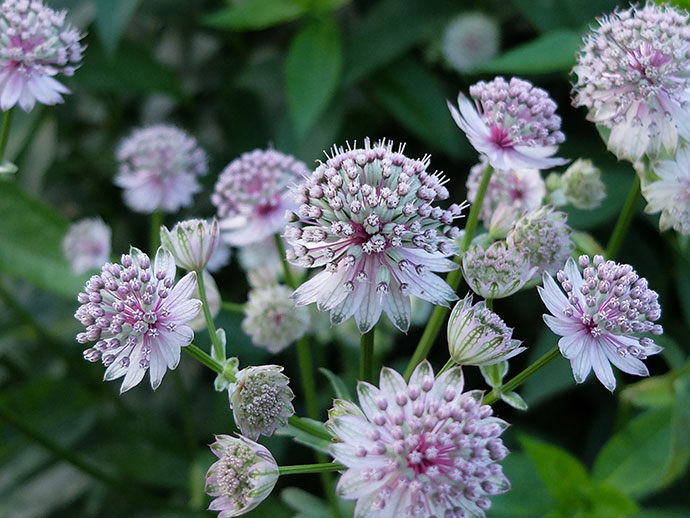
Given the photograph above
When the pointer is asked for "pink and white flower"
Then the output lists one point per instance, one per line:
(192, 242)
(598, 313)
(87, 244)
(670, 194)
(418, 449)
(138, 317)
(36, 45)
(513, 123)
(367, 215)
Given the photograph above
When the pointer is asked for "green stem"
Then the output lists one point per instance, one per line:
(309, 428)
(438, 316)
(519, 379)
(193, 351)
(155, 236)
(233, 307)
(5, 131)
(300, 469)
(449, 364)
(366, 358)
(289, 278)
(489, 304)
(218, 347)
(306, 370)
(624, 220)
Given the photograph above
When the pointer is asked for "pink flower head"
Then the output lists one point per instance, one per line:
(670, 194)
(368, 216)
(514, 124)
(420, 449)
(36, 45)
(158, 169)
(242, 477)
(633, 75)
(252, 195)
(137, 316)
(87, 244)
(602, 310)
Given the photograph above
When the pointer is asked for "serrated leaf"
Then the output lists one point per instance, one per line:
(112, 17)
(312, 72)
(514, 400)
(339, 387)
(251, 15)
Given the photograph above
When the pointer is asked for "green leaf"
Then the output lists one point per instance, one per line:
(417, 99)
(251, 15)
(545, 15)
(308, 440)
(339, 387)
(654, 392)
(527, 498)
(312, 71)
(30, 247)
(607, 502)
(634, 460)
(679, 458)
(552, 52)
(514, 400)
(563, 475)
(112, 17)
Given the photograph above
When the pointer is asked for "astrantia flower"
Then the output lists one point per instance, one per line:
(599, 316)
(470, 40)
(420, 449)
(545, 236)
(158, 169)
(497, 271)
(271, 318)
(137, 316)
(670, 194)
(478, 336)
(242, 477)
(582, 185)
(36, 45)
(192, 242)
(521, 189)
(252, 195)
(87, 244)
(367, 215)
(261, 400)
(514, 124)
(633, 75)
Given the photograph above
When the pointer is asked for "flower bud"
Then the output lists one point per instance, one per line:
(582, 185)
(497, 271)
(192, 242)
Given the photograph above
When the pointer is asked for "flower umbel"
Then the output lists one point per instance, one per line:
(87, 244)
(420, 449)
(602, 310)
(478, 336)
(242, 477)
(670, 194)
(633, 76)
(497, 271)
(36, 45)
(261, 400)
(158, 169)
(367, 215)
(513, 123)
(192, 242)
(137, 316)
(252, 195)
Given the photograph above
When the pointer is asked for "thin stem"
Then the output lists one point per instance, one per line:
(519, 379)
(218, 347)
(289, 278)
(193, 351)
(438, 316)
(301, 469)
(306, 370)
(624, 219)
(5, 131)
(155, 236)
(449, 365)
(233, 307)
(366, 358)
(309, 428)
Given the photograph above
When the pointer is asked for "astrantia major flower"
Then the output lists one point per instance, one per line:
(192, 242)
(469, 40)
(261, 400)
(670, 194)
(582, 185)
(368, 216)
(513, 123)
(242, 477)
(252, 195)
(158, 169)
(496, 271)
(36, 45)
(420, 449)
(87, 244)
(599, 313)
(137, 316)
(271, 318)
(478, 336)
(633, 76)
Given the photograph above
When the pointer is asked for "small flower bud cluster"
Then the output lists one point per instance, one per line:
(470, 40)
(192, 242)
(87, 244)
(582, 185)
(497, 271)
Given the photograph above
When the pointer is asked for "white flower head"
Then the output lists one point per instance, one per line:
(670, 194)
(87, 244)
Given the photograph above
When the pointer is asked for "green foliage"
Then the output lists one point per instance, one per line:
(112, 17)
(339, 387)
(256, 14)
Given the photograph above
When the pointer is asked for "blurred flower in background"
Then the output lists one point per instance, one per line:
(470, 40)
(86, 244)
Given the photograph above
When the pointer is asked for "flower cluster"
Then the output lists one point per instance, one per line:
(582, 186)
(137, 316)
(251, 195)
(599, 312)
(496, 271)
(470, 40)
(36, 45)
(513, 123)
(420, 449)
(158, 169)
(87, 244)
(633, 76)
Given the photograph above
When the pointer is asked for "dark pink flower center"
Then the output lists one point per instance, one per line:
(500, 137)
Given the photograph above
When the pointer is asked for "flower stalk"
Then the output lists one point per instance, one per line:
(366, 360)
(302, 469)
(5, 131)
(216, 343)
(624, 220)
